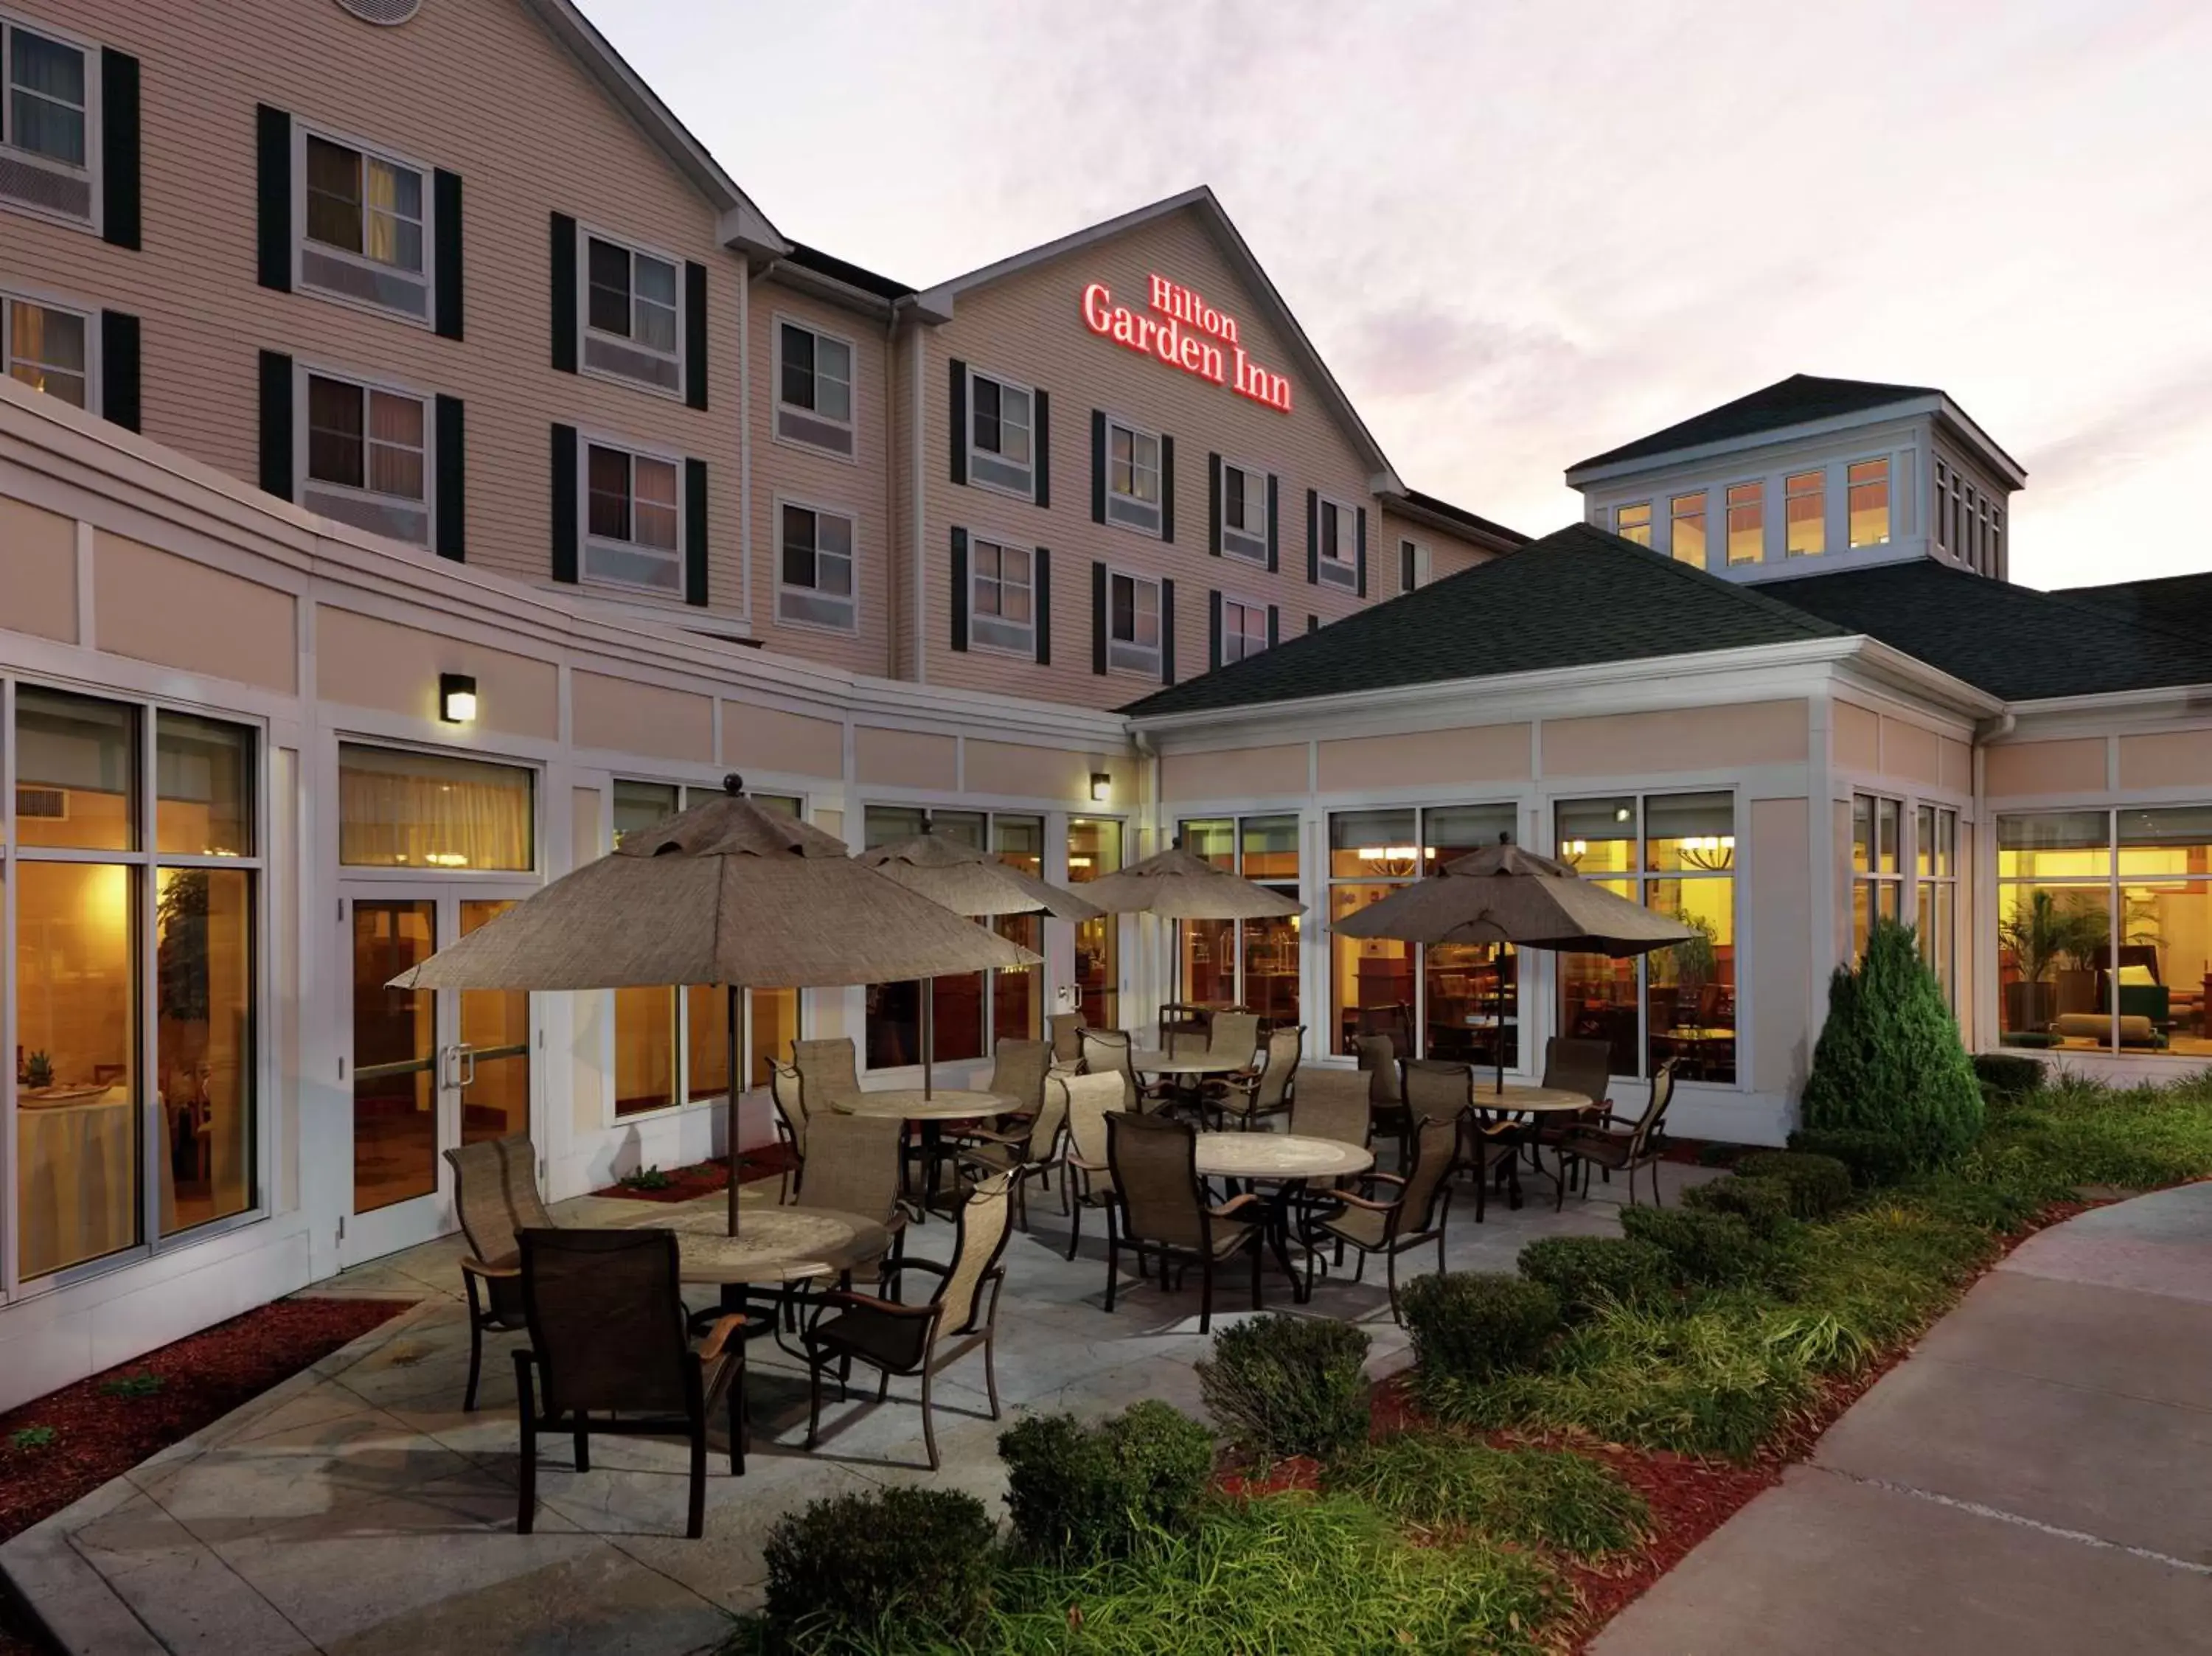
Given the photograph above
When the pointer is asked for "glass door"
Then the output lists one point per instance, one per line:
(428, 1069)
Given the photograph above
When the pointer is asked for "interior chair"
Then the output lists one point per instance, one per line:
(609, 1353)
(893, 1337)
(1615, 1145)
(1412, 1213)
(1086, 1177)
(1029, 1152)
(495, 1193)
(1266, 1088)
(1162, 1212)
(789, 1097)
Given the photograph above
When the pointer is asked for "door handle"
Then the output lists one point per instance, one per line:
(464, 1065)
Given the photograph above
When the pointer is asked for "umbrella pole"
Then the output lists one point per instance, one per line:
(730, 1105)
(928, 1036)
(1498, 967)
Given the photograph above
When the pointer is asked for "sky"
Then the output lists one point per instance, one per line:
(1522, 233)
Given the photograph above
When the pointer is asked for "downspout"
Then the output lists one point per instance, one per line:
(1142, 741)
(890, 485)
(745, 448)
(917, 561)
(1985, 886)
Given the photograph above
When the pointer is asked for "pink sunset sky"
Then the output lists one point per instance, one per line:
(1522, 233)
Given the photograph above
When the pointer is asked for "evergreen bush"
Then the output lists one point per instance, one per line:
(1889, 1059)
(2009, 1074)
(1084, 1492)
(1875, 1159)
(1763, 1205)
(1816, 1186)
(898, 1564)
(1470, 1325)
(1283, 1386)
(1706, 1249)
(1587, 1272)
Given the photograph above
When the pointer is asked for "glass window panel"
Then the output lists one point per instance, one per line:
(640, 805)
(1094, 847)
(204, 1043)
(775, 1015)
(707, 1040)
(1598, 997)
(1271, 965)
(395, 446)
(47, 97)
(834, 385)
(495, 1025)
(1691, 988)
(1747, 523)
(1923, 840)
(1269, 847)
(395, 1055)
(2058, 845)
(1018, 841)
(1373, 844)
(964, 826)
(1886, 814)
(798, 375)
(1861, 834)
(608, 490)
(1805, 513)
(1209, 961)
(1213, 839)
(608, 273)
(1453, 831)
(77, 772)
(401, 809)
(655, 487)
(2163, 964)
(2175, 839)
(334, 206)
(1688, 544)
(202, 786)
(1870, 502)
(885, 825)
(1371, 978)
(1633, 522)
(337, 433)
(1018, 993)
(645, 1050)
(77, 1118)
(1473, 1003)
(1598, 836)
(2050, 942)
(985, 415)
(656, 281)
(1690, 832)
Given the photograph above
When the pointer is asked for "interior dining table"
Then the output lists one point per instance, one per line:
(1284, 1161)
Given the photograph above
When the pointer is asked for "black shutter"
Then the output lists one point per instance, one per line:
(277, 425)
(1097, 470)
(1213, 629)
(1406, 558)
(564, 296)
(1274, 626)
(564, 501)
(1313, 538)
(1213, 504)
(1041, 442)
(694, 533)
(272, 147)
(1041, 603)
(1313, 623)
(1167, 631)
(1273, 561)
(1167, 489)
(695, 335)
(118, 149)
(452, 532)
(1359, 519)
(1098, 618)
(959, 590)
(958, 435)
(119, 368)
(445, 250)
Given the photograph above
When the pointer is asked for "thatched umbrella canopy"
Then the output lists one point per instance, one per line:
(1176, 885)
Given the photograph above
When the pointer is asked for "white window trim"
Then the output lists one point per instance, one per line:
(301, 131)
(47, 301)
(1158, 584)
(1825, 498)
(1704, 513)
(775, 540)
(585, 235)
(1347, 545)
(1004, 384)
(1651, 520)
(585, 441)
(1889, 476)
(1256, 607)
(93, 172)
(1025, 651)
(300, 421)
(777, 322)
(1259, 474)
(1113, 493)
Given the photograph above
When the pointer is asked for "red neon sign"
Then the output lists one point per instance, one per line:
(1184, 331)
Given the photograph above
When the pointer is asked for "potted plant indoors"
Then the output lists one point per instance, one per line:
(2040, 932)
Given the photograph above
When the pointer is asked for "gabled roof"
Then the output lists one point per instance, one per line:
(1576, 598)
(937, 303)
(2013, 641)
(1799, 400)
(2172, 603)
(1455, 519)
(845, 271)
(744, 225)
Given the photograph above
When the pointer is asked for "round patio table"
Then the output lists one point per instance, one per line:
(932, 1110)
(1188, 1068)
(774, 1245)
(1516, 1099)
(1284, 1160)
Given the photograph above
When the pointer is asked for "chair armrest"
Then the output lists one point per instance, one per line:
(845, 1296)
(1234, 1205)
(929, 1265)
(1012, 1140)
(1382, 1179)
(478, 1268)
(1352, 1201)
(718, 1336)
(1082, 1166)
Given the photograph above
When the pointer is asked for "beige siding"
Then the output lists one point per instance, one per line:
(1010, 769)
(158, 607)
(1857, 736)
(1956, 764)
(2074, 766)
(1695, 738)
(1234, 773)
(1448, 553)
(778, 741)
(1780, 916)
(364, 662)
(2169, 759)
(627, 716)
(1487, 753)
(38, 571)
(1910, 752)
(905, 759)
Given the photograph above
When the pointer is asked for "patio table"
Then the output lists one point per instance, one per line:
(1284, 1161)
(1190, 1069)
(1516, 1098)
(777, 1245)
(931, 1111)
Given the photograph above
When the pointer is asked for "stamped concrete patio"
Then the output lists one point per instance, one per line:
(356, 1509)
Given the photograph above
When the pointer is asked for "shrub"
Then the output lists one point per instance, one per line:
(1889, 1058)
(1874, 1158)
(1474, 1324)
(1706, 1249)
(1586, 1272)
(1817, 1186)
(2009, 1074)
(32, 1437)
(1523, 1497)
(1084, 1492)
(1762, 1203)
(1289, 1385)
(906, 1562)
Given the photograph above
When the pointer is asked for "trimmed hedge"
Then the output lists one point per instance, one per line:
(1086, 1492)
(1874, 1158)
(1763, 1205)
(896, 1565)
(2010, 1076)
(1471, 1324)
(1587, 1272)
(1706, 1249)
(1285, 1386)
(1818, 1186)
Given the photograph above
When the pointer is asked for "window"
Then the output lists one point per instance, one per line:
(367, 456)
(633, 523)
(1339, 544)
(1877, 871)
(632, 322)
(135, 955)
(1870, 502)
(1244, 512)
(1675, 854)
(814, 575)
(1633, 522)
(1936, 898)
(814, 388)
(999, 424)
(1413, 565)
(1747, 523)
(1686, 529)
(398, 809)
(1001, 597)
(1805, 514)
(1252, 964)
(1133, 477)
(47, 119)
(362, 235)
(48, 349)
(1133, 623)
(1243, 629)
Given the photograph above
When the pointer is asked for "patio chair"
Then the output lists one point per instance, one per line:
(1086, 1177)
(1106, 1051)
(828, 1071)
(1616, 1144)
(1234, 1035)
(1436, 1087)
(894, 1338)
(1575, 1063)
(1163, 1211)
(1378, 1057)
(1412, 1214)
(788, 1095)
(1018, 1069)
(607, 1333)
(1264, 1090)
(495, 1193)
(855, 1169)
(1065, 1031)
(1182, 1023)
(1030, 1153)
(1331, 1104)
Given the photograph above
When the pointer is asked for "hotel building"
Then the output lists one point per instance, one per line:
(388, 521)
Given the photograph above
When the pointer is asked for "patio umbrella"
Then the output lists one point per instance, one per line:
(969, 882)
(1506, 894)
(1176, 885)
(728, 892)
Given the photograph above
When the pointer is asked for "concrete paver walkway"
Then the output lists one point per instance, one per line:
(2036, 1478)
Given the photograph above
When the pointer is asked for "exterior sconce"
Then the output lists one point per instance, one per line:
(457, 698)
(1102, 786)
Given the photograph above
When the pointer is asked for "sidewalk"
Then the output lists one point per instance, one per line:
(2036, 1478)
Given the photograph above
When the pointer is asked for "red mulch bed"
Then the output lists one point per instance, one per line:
(705, 1178)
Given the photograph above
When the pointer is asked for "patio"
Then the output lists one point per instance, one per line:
(355, 1508)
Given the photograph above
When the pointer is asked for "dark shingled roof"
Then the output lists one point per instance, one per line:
(2012, 641)
(1801, 398)
(838, 270)
(2172, 603)
(1574, 598)
(1461, 514)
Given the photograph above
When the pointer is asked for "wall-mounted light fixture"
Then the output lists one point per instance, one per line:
(457, 698)
(1102, 786)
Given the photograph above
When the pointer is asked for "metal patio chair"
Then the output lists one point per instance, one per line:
(1412, 1214)
(789, 1098)
(1162, 1211)
(495, 1195)
(1617, 1144)
(1029, 1152)
(1086, 1177)
(1266, 1088)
